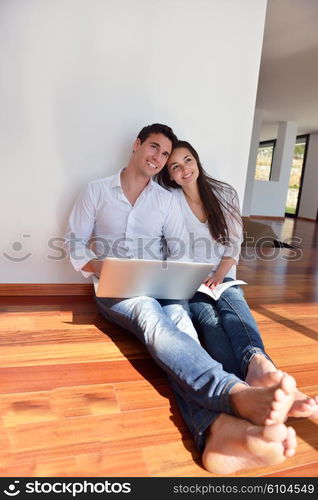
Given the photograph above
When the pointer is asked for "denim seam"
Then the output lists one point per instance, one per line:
(256, 350)
(200, 429)
(226, 408)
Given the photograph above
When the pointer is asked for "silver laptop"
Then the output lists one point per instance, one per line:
(125, 278)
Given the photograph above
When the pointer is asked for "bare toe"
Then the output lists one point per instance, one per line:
(283, 399)
(290, 443)
(276, 432)
(288, 384)
(304, 406)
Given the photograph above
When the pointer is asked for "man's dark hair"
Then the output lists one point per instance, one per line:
(157, 128)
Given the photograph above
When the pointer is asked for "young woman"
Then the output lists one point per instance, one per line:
(212, 216)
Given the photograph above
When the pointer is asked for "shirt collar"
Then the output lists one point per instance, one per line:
(150, 185)
(116, 180)
(117, 184)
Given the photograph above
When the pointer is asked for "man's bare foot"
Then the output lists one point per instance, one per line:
(264, 405)
(261, 370)
(234, 444)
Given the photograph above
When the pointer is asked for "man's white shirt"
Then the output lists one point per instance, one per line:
(103, 224)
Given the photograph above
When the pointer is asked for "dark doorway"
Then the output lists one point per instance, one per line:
(296, 175)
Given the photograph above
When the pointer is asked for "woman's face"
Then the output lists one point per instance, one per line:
(182, 167)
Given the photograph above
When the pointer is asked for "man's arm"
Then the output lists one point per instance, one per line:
(93, 266)
(80, 228)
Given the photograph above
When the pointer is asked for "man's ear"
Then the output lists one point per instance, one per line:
(136, 144)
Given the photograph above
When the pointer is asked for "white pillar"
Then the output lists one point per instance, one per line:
(269, 197)
(284, 152)
(249, 184)
(283, 158)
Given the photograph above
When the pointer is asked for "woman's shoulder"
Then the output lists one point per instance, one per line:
(224, 190)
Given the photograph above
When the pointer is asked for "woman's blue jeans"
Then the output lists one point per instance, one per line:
(227, 329)
(164, 327)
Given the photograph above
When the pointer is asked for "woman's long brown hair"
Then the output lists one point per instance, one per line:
(215, 207)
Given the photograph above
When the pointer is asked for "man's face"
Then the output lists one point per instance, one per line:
(151, 156)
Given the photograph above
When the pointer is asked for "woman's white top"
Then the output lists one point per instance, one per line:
(203, 247)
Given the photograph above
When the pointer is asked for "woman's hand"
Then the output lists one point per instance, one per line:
(220, 273)
(211, 283)
(214, 281)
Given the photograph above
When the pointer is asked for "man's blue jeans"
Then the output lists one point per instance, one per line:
(164, 327)
(230, 314)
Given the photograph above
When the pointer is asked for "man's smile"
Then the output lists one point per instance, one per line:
(152, 165)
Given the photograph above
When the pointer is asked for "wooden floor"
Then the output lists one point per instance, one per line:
(81, 397)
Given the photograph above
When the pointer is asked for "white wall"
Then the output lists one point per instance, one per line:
(308, 204)
(80, 78)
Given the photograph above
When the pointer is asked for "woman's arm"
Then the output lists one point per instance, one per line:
(233, 249)
(220, 273)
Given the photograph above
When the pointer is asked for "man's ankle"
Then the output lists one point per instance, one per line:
(235, 397)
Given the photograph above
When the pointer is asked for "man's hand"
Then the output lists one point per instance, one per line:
(93, 266)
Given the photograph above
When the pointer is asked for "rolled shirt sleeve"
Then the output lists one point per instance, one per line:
(79, 230)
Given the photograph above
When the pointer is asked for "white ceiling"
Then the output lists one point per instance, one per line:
(288, 80)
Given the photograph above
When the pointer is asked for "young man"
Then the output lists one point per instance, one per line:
(129, 215)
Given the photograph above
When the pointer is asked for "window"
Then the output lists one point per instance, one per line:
(264, 160)
(296, 175)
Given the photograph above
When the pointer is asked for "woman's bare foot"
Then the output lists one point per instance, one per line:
(304, 406)
(264, 405)
(262, 373)
(234, 444)
(261, 370)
